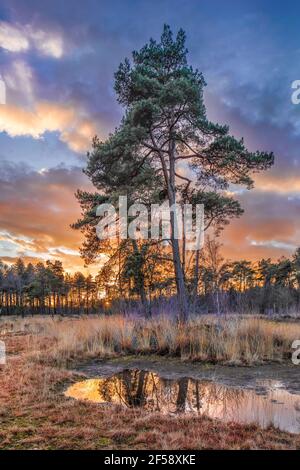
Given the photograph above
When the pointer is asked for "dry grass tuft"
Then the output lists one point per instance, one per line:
(35, 414)
(232, 340)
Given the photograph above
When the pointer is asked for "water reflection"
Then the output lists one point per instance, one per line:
(265, 405)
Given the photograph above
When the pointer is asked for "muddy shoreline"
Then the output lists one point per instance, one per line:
(170, 368)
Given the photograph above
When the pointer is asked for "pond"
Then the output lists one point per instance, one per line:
(266, 402)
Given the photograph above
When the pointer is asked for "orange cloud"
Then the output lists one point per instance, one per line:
(278, 183)
(75, 129)
(36, 210)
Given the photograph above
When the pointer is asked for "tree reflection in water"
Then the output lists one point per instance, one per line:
(144, 389)
(139, 388)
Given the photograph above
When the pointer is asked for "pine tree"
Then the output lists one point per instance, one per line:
(165, 125)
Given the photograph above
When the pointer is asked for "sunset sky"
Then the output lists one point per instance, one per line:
(58, 59)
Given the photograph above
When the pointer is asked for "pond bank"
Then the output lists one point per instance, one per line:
(265, 395)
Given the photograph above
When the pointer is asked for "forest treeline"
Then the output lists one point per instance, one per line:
(45, 288)
(264, 287)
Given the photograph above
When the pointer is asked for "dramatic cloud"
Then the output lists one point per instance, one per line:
(12, 39)
(17, 38)
(58, 65)
(74, 129)
(36, 210)
(268, 228)
(25, 114)
(19, 82)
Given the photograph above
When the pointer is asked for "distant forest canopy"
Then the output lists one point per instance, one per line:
(265, 286)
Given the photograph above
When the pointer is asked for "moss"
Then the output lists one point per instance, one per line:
(104, 441)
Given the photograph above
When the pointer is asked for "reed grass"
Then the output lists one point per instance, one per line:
(230, 340)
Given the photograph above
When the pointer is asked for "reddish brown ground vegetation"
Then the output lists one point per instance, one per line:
(34, 414)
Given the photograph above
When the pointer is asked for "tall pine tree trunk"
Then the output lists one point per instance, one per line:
(179, 274)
